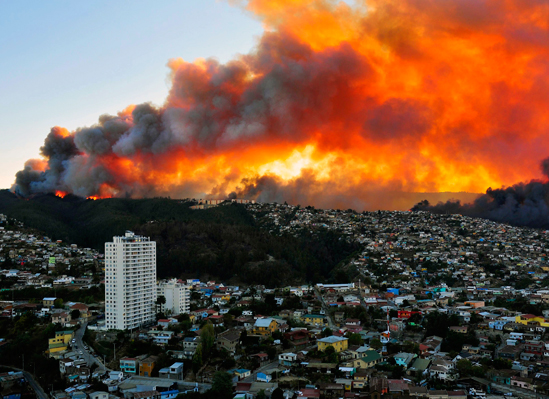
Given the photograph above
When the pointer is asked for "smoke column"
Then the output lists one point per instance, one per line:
(337, 105)
(523, 204)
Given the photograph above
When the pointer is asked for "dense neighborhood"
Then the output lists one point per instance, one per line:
(432, 306)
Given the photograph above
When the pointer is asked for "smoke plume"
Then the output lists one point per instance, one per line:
(523, 204)
(337, 105)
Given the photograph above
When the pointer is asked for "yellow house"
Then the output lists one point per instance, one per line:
(369, 359)
(48, 301)
(60, 342)
(264, 327)
(314, 319)
(531, 319)
(338, 343)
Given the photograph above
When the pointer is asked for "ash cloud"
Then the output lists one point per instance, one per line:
(523, 204)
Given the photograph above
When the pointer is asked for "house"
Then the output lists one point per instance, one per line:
(459, 329)
(338, 343)
(431, 344)
(262, 377)
(60, 342)
(147, 365)
(83, 308)
(145, 395)
(369, 359)
(176, 371)
(298, 339)
(165, 323)
(99, 395)
(161, 337)
(228, 340)
(442, 369)
(418, 367)
(264, 327)
(48, 301)
(287, 359)
(189, 346)
(129, 365)
(65, 365)
(404, 359)
(313, 319)
(61, 318)
(522, 382)
(240, 373)
(116, 375)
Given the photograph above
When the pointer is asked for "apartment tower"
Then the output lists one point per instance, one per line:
(178, 297)
(130, 281)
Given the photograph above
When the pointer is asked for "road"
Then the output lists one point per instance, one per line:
(36, 386)
(517, 392)
(86, 355)
(319, 296)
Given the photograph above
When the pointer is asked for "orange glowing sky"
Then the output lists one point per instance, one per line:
(349, 103)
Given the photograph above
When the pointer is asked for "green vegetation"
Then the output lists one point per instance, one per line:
(27, 341)
(224, 242)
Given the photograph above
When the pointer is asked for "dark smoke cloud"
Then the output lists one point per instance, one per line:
(523, 204)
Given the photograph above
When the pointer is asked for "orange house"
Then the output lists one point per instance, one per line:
(146, 366)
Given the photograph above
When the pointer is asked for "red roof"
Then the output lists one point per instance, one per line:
(79, 306)
(243, 386)
(309, 393)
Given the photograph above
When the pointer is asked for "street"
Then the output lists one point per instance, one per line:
(331, 324)
(28, 377)
(86, 355)
(37, 388)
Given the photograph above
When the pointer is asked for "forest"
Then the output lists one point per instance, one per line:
(224, 242)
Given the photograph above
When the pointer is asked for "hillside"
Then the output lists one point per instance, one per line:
(223, 242)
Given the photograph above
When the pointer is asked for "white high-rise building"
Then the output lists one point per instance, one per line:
(130, 281)
(178, 297)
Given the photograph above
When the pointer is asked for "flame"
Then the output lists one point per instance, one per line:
(336, 102)
(60, 194)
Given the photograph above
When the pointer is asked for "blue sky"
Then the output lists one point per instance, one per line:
(67, 62)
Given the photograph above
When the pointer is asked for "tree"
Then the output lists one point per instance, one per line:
(75, 314)
(327, 332)
(375, 344)
(58, 303)
(197, 359)
(207, 338)
(277, 394)
(222, 385)
(355, 339)
(331, 355)
(464, 367)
